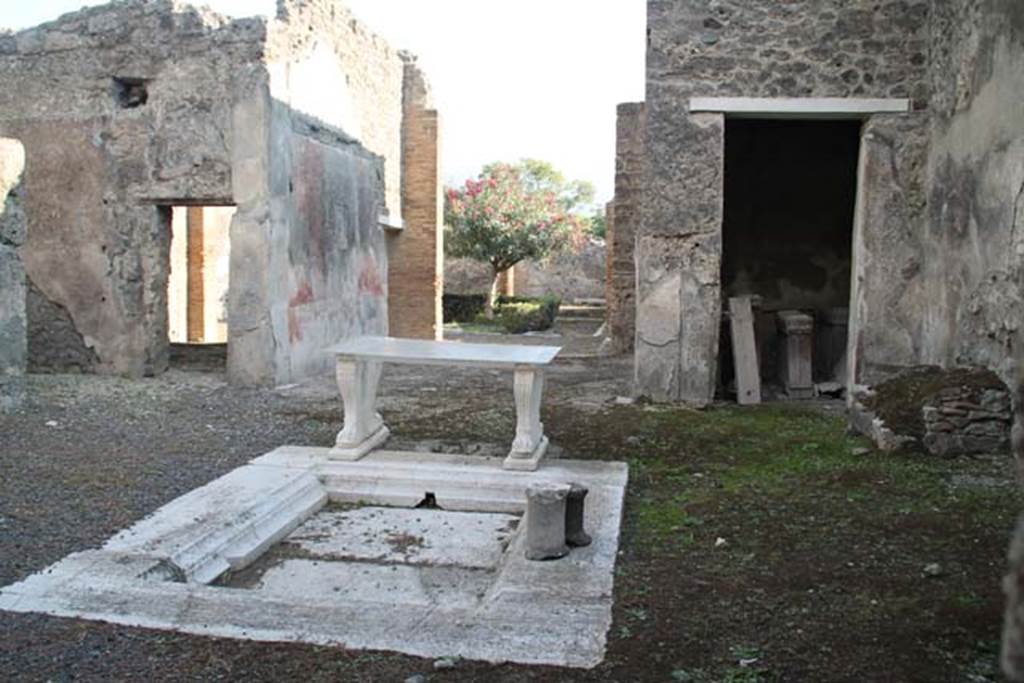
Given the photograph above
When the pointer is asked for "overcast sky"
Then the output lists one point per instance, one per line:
(530, 78)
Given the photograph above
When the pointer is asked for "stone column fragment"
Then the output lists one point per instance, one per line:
(545, 521)
(575, 535)
(795, 329)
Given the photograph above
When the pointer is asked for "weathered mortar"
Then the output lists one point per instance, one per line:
(752, 49)
(319, 42)
(99, 163)
(416, 254)
(132, 107)
(974, 248)
(13, 347)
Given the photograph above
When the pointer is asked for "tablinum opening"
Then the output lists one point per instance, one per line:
(790, 190)
(198, 284)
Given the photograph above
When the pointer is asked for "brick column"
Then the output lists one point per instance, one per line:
(416, 255)
(624, 219)
(196, 258)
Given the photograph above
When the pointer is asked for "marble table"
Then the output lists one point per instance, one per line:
(359, 364)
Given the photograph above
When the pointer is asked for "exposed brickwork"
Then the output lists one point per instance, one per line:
(416, 255)
(623, 226)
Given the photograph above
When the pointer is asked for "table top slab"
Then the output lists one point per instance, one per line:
(430, 352)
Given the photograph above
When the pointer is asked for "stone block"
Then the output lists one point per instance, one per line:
(795, 361)
(677, 282)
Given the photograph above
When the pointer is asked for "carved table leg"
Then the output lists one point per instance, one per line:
(530, 443)
(364, 428)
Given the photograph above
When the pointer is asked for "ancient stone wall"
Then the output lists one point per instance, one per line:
(760, 48)
(570, 275)
(973, 252)
(416, 254)
(310, 195)
(132, 108)
(123, 109)
(622, 231)
(13, 346)
(327, 65)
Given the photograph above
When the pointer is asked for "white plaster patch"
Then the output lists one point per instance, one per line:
(463, 593)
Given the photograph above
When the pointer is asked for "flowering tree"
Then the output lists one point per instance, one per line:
(501, 218)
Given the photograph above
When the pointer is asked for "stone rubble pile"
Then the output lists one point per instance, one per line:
(958, 420)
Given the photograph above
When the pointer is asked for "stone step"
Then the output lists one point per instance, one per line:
(573, 311)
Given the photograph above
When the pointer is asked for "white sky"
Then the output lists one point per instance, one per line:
(529, 78)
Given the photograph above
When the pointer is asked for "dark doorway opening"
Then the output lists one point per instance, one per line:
(790, 192)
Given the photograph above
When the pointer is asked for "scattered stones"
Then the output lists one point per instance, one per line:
(830, 389)
(944, 412)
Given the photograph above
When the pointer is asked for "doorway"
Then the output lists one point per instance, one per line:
(790, 191)
(198, 286)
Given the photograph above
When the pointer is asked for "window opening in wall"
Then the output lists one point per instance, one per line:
(790, 191)
(131, 92)
(198, 285)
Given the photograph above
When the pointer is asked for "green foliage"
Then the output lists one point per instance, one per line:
(462, 308)
(598, 225)
(509, 214)
(541, 177)
(518, 315)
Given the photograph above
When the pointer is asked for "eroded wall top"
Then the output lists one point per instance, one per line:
(325, 64)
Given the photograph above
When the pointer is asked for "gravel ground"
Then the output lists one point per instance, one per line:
(88, 456)
(759, 544)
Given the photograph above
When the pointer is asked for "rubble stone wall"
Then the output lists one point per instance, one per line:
(123, 109)
(937, 274)
(973, 250)
(131, 108)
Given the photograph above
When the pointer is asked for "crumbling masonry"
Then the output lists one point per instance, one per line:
(936, 215)
(13, 347)
(133, 108)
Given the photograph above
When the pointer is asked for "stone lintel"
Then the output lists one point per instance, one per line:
(800, 107)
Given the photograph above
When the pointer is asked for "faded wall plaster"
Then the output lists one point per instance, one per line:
(759, 48)
(133, 107)
(974, 250)
(97, 250)
(13, 339)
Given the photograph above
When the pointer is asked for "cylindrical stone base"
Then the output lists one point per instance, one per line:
(575, 536)
(545, 521)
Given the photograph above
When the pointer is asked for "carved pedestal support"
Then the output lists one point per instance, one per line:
(364, 428)
(530, 443)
